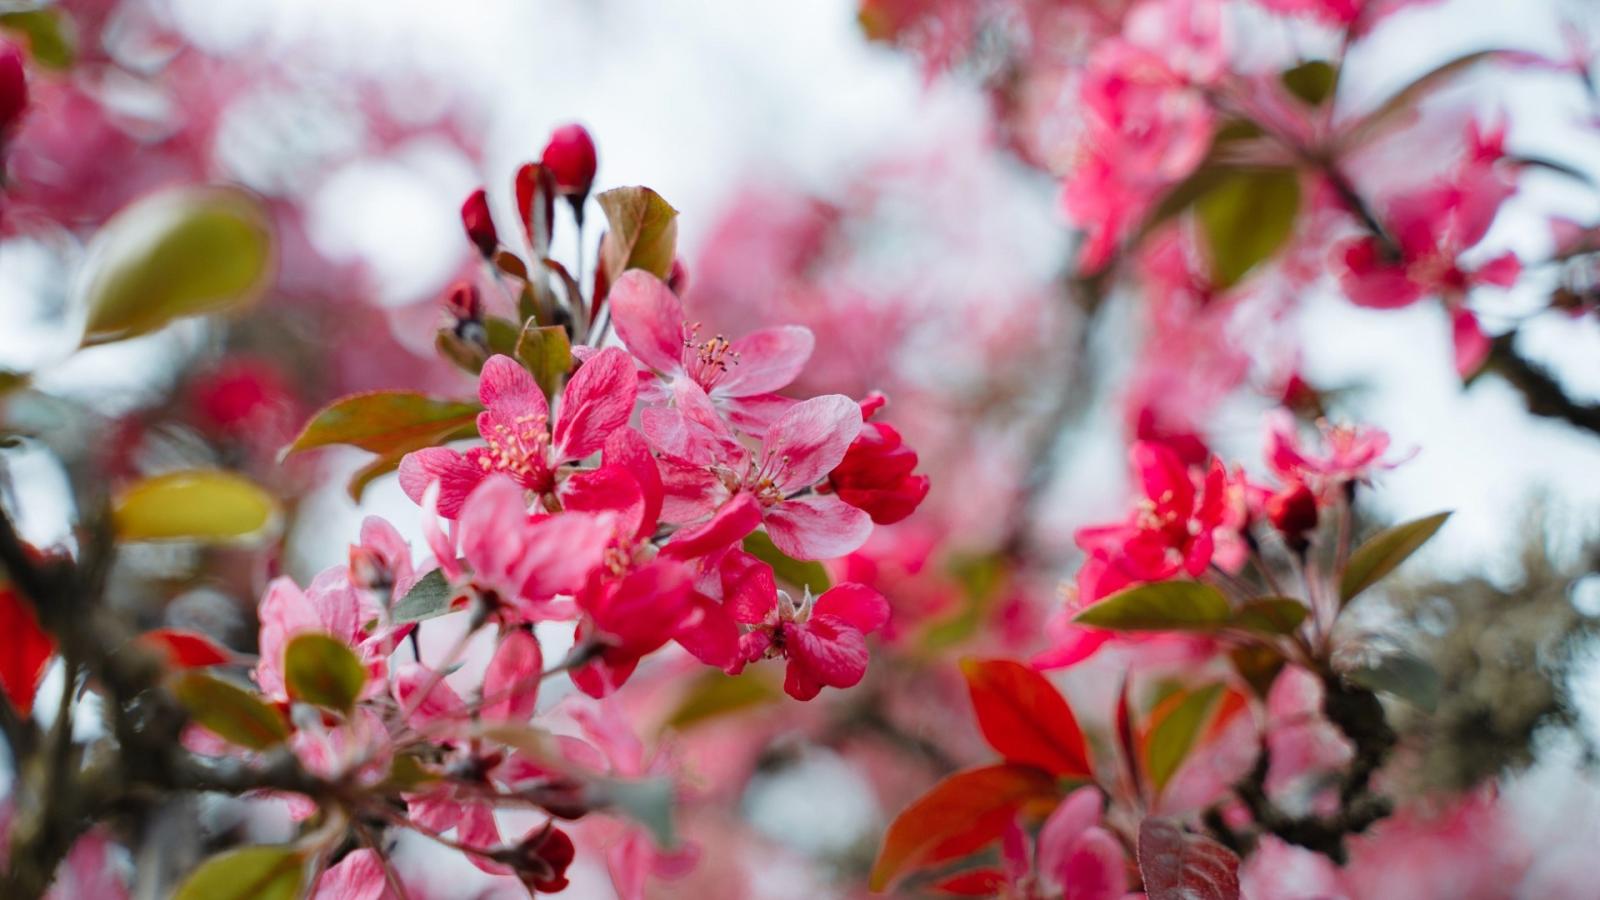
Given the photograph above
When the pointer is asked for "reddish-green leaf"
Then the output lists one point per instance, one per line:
(385, 422)
(547, 353)
(1270, 615)
(233, 713)
(714, 694)
(1161, 606)
(1394, 110)
(320, 670)
(959, 815)
(1024, 718)
(1178, 865)
(644, 231)
(1384, 552)
(248, 873)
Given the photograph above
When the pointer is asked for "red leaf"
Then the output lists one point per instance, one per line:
(1024, 718)
(977, 883)
(26, 652)
(186, 649)
(957, 816)
(1179, 865)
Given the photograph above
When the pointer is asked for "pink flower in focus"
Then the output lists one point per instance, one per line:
(516, 563)
(739, 376)
(520, 441)
(704, 464)
(823, 639)
(331, 606)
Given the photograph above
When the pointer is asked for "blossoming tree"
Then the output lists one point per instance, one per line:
(672, 526)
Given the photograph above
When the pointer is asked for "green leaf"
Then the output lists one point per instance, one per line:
(232, 712)
(406, 774)
(429, 597)
(1179, 721)
(193, 505)
(1258, 665)
(1230, 139)
(320, 670)
(714, 694)
(1402, 674)
(1384, 552)
(248, 873)
(1245, 218)
(644, 231)
(182, 252)
(52, 41)
(1312, 81)
(798, 573)
(1162, 606)
(647, 801)
(547, 353)
(386, 422)
(1270, 615)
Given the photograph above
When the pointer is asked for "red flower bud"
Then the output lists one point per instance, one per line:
(571, 160)
(478, 224)
(543, 859)
(13, 87)
(678, 278)
(1293, 511)
(464, 303)
(533, 180)
(876, 475)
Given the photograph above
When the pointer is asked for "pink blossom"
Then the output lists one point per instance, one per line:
(1351, 454)
(520, 441)
(823, 639)
(359, 876)
(739, 376)
(704, 464)
(332, 606)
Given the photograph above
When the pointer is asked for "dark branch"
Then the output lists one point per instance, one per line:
(1544, 395)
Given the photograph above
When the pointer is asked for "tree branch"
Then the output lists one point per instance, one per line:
(1544, 395)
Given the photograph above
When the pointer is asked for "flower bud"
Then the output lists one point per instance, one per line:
(13, 87)
(478, 224)
(464, 303)
(542, 860)
(678, 278)
(571, 160)
(536, 203)
(1293, 511)
(876, 475)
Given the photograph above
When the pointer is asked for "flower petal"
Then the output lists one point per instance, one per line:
(749, 589)
(862, 607)
(596, 402)
(737, 518)
(508, 391)
(454, 473)
(649, 319)
(768, 360)
(819, 526)
(810, 439)
(511, 681)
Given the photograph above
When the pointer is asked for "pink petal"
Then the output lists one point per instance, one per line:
(1372, 282)
(443, 549)
(1077, 813)
(810, 439)
(1073, 646)
(596, 402)
(829, 652)
(755, 414)
(561, 552)
(694, 431)
(477, 828)
(768, 360)
(454, 473)
(1094, 870)
(1471, 344)
(509, 392)
(441, 704)
(737, 518)
(710, 633)
(284, 612)
(689, 492)
(649, 319)
(359, 876)
(860, 606)
(627, 448)
(609, 488)
(511, 682)
(749, 590)
(819, 526)
(1502, 271)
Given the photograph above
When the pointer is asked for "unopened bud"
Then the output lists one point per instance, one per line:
(570, 157)
(1293, 511)
(478, 224)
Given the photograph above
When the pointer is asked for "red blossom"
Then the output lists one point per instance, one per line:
(876, 475)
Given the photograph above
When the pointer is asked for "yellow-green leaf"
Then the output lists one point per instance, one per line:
(1384, 552)
(1162, 606)
(1312, 81)
(182, 252)
(547, 353)
(714, 694)
(319, 669)
(386, 422)
(1270, 615)
(248, 873)
(1174, 727)
(1245, 218)
(193, 505)
(644, 231)
(798, 573)
(52, 41)
(232, 712)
